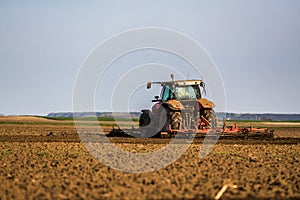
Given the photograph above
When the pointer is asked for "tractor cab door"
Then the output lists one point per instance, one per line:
(167, 94)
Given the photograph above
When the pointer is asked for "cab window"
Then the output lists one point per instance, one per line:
(167, 94)
(188, 92)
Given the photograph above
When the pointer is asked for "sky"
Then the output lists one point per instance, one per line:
(254, 44)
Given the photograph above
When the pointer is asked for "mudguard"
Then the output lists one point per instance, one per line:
(205, 103)
(173, 105)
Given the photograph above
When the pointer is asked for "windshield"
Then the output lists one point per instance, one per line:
(187, 92)
(190, 92)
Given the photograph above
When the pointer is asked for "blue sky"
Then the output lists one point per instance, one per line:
(255, 44)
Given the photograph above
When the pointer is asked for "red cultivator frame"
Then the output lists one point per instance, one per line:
(230, 131)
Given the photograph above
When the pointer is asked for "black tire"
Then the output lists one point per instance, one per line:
(147, 129)
(145, 118)
(166, 117)
(173, 117)
(209, 115)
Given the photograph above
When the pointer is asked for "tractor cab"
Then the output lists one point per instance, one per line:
(179, 90)
(185, 92)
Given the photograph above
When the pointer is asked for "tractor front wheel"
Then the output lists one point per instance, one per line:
(145, 118)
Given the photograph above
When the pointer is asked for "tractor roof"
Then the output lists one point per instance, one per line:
(180, 82)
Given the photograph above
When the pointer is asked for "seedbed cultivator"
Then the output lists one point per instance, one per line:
(227, 132)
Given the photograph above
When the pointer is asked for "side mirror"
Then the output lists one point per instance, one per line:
(156, 99)
(148, 85)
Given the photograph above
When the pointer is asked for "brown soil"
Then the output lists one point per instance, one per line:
(35, 164)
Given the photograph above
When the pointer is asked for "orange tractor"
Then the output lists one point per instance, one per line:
(181, 109)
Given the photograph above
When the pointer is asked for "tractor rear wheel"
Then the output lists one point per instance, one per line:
(173, 118)
(166, 117)
(209, 115)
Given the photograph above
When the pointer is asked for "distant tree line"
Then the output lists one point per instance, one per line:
(261, 117)
(220, 115)
(97, 114)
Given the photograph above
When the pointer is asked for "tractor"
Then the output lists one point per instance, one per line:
(179, 108)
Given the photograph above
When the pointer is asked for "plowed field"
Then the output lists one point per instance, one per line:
(48, 161)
